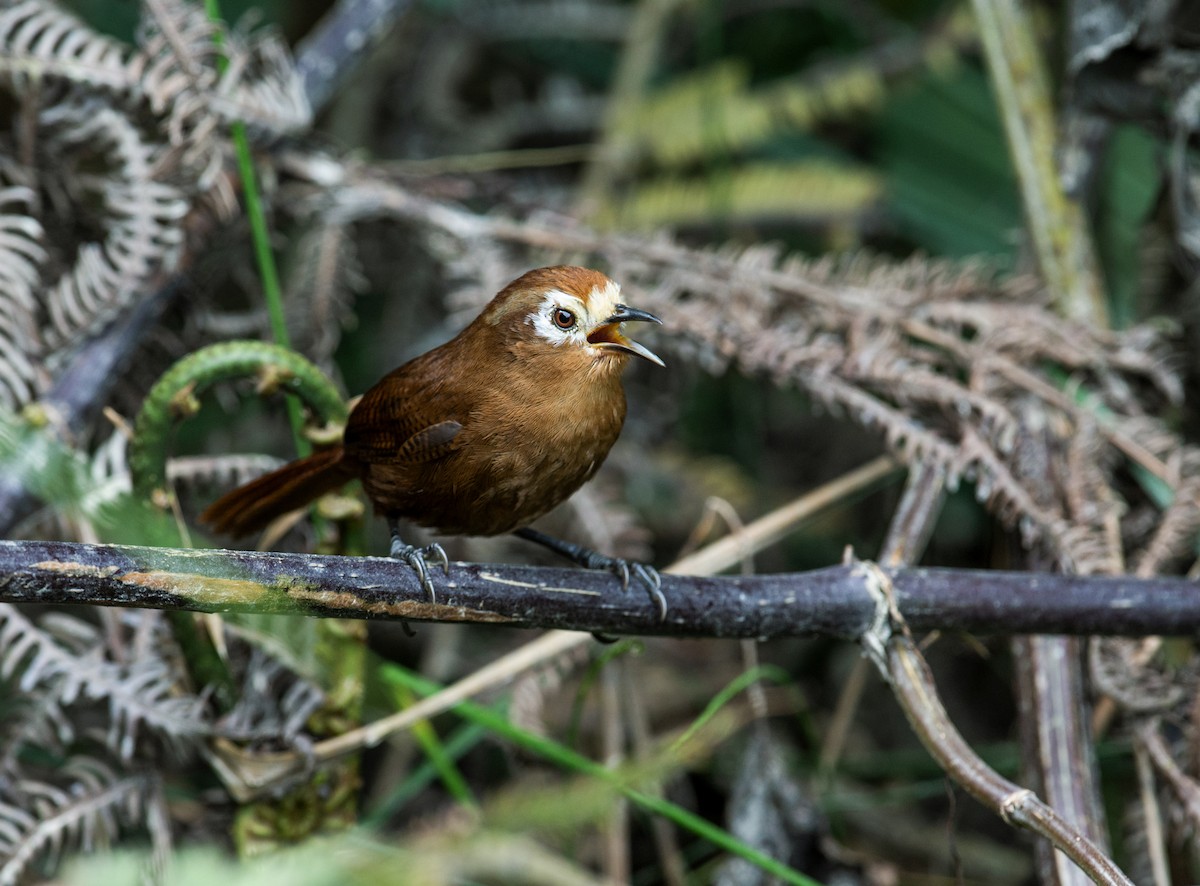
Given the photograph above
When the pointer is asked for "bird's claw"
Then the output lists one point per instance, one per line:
(647, 576)
(416, 558)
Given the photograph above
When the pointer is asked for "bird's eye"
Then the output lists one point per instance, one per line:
(563, 318)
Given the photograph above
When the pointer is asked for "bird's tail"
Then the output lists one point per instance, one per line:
(251, 507)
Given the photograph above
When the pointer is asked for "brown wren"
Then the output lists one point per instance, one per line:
(485, 433)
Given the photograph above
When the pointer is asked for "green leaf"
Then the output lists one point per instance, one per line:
(1131, 179)
(950, 185)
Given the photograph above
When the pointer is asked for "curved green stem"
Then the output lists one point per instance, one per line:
(176, 396)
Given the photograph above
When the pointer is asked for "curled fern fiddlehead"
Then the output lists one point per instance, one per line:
(175, 395)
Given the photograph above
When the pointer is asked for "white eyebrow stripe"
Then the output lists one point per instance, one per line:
(544, 326)
(571, 302)
(607, 297)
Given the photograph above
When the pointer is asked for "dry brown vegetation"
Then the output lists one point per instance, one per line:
(1037, 397)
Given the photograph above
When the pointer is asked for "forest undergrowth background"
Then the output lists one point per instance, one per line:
(822, 202)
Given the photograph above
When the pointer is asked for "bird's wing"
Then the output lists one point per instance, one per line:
(430, 443)
(390, 424)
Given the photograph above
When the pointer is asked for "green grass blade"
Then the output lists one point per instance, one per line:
(571, 760)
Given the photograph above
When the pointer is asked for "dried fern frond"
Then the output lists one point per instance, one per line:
(143, 234)
(177, 67)
(1092, 506)
(937, 377)
(115, 123)
(21, 375)
(21, 250)
(21, 257)
(219, 471)
(262, 87)
(92, 805)
(140, 693)
(1175, 535)
(320, 285)
(180, 69)
(932, 355)
(39, 40)
(175, 73)
(274, 703)
(109, 473)
(35, 721)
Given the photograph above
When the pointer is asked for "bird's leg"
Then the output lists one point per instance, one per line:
(415, 557)
(589, 559)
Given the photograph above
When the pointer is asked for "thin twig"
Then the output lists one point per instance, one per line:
(1020, 807)
(1187, 791)
(489, 161)
(890, 645)
(916, 515)
(908, 534)
(770, 528)
(546, 647)
(1156, 844)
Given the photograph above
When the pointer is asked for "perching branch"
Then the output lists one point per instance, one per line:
(836, 601)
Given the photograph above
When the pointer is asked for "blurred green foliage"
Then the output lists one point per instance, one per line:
(950, 186)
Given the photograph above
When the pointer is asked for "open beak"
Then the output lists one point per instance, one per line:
(608, 334)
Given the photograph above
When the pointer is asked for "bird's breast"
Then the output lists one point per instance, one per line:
(521, 453)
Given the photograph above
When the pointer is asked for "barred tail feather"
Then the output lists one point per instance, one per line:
(250, 508)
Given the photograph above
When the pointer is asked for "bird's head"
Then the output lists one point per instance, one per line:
(571, 313)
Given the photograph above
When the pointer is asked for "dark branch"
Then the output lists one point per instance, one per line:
(834, 601)
(340, 42)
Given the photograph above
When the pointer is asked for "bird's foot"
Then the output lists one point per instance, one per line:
(416, 558)
(646, 576)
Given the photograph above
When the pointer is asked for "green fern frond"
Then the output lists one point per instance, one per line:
(813, 190)
(694, 114)
(714, 109)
